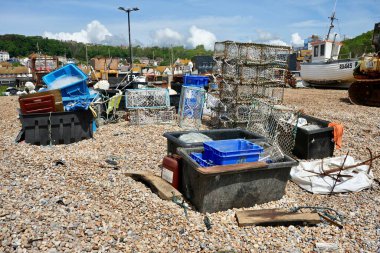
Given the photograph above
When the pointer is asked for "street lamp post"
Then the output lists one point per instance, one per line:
(129, 32)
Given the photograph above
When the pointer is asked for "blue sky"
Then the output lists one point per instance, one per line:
(186, 22)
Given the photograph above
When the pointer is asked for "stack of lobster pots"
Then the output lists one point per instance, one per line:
(247, 71)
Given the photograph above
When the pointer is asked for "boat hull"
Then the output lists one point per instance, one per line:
(337, 74)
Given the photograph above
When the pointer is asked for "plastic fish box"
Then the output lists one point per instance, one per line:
(314, 143)
(40, 102)
(44, 103)
(173, 141)
(198, 157)
(57, 127)
(69, 79)
(218, 188)
(231, 151)
(196, 81)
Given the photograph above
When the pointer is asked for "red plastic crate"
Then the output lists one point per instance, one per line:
(40, 104)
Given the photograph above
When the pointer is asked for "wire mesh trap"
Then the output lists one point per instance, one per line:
(277, 123)
(147, 98)
(147, 116)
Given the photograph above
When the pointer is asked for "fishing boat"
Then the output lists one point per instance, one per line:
(324, 68)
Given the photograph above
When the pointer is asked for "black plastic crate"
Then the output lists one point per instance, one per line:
(314, 144)
(57, 128)
(215, 134)
(233, 188)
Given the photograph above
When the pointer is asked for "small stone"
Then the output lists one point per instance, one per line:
(52, 250)
(43, 202)
(56, 243)
(89, 232)
(326, 246)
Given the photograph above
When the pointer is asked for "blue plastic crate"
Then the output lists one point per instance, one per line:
(198, 157)
(231, 151)
(195, 81)
(69, 79)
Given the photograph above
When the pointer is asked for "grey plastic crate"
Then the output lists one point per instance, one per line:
(232, 189)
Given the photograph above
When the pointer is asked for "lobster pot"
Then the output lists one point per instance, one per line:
(226, 50)
(275, 54)
(250, 52)
(147, 98)
(277, 123)
(219, 50)
(229, 71)
(191, 107)
(261, 74)
(149, 116)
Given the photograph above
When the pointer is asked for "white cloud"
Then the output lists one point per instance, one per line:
(264, 35)
(201, 37)
(166, 37)
(95, 32)
(296, 40)
(277, 42)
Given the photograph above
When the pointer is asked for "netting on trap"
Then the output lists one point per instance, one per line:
(227, 50)
(277, 123)
(147, 116)
(260, 74)
(251, 52)
(191, 107)
(147, 98)
(231, 92)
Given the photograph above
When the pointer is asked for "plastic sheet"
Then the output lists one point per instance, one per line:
(305, 175)
(194, 138)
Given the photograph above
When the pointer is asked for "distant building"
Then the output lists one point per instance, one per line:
(14, 76)
(203, 64)
(4, 56)
(181, 66)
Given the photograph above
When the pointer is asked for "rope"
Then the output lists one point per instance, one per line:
(323, 210)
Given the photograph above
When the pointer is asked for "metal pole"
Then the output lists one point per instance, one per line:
(130, 45)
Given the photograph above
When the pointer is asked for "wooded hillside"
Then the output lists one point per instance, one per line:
(20, 45)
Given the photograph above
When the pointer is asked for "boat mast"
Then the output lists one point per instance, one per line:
(332, 18)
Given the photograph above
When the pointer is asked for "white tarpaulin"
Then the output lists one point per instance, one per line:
(305, 176)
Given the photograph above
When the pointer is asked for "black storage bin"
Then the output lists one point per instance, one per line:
(314, 144)
(232, 189)
(215, 134)
(65, 127)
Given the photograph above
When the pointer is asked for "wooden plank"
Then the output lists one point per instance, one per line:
(158, 185)
(232, 168)
(269, 217)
